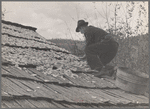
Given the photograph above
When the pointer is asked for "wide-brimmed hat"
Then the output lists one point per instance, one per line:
(81, 23)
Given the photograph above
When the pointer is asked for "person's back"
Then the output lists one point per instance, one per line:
(95, 34)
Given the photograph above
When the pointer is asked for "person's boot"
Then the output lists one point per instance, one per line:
(106, 71)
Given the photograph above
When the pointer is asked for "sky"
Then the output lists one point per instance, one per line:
(55, 19)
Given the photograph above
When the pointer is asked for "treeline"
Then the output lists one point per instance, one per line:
(133, 53)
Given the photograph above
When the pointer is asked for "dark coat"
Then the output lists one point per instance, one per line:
(94, 35)
(100, 47)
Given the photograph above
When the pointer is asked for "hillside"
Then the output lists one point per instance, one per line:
(74, 46)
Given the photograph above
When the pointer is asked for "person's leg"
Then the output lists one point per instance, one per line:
(109, 56)
(93, 61)
(96, 52)
(92, 56)
(93, 52)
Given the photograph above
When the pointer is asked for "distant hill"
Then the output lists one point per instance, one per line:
(74, 46)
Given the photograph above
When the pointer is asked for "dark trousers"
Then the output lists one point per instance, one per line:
(100, 54)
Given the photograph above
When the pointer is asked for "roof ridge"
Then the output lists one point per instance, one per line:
(19, 25)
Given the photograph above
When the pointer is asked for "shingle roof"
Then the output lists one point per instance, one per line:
(38, 74)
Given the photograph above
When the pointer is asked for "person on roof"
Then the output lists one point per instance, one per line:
(100, 46)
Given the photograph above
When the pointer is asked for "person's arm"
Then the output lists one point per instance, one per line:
(89, 38)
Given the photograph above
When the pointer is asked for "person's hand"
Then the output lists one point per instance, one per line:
(83, 58)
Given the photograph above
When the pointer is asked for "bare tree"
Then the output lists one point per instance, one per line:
(121, 25)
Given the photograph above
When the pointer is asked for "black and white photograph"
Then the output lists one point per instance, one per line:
(74, 54)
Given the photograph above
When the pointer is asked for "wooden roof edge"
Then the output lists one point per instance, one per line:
(104, 104)
(19, 25)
